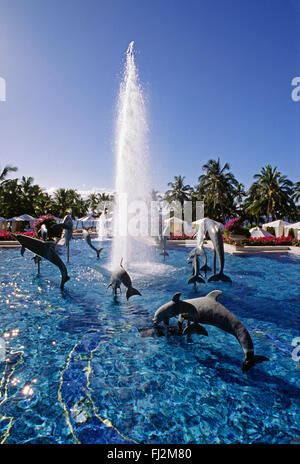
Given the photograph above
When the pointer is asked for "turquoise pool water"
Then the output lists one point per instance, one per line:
(78, 369)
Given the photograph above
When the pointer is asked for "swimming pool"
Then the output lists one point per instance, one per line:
(79, 371)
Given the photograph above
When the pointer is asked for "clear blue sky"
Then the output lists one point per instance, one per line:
(217, 78)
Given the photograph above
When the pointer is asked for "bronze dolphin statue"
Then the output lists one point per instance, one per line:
(207, 310)
(45, 250)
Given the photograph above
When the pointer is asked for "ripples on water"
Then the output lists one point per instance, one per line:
(79, 370)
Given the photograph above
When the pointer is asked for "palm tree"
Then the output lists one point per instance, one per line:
(272, 191)
(93, 203)
(65, 200)
(105, 200)
(218, 187)
(8, 168)
(43, 203)
(179, 192)
(296, 194)
(155, 195)
(10, 199)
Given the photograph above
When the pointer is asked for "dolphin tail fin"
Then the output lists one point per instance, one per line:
(195, 328)
(219, 276)
(98, 252)
(132, 291)
(195, 279)
(248, 363)
(109, 285)
(63, 281)
(164, 253)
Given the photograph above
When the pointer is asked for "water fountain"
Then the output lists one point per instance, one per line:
(131, 184)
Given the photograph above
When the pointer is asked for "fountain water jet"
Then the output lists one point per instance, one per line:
(131, 183)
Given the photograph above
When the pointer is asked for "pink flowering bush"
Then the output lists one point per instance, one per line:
(41, 220)
(234, 226)
(4, 235)
(263, 241)
(48, 220)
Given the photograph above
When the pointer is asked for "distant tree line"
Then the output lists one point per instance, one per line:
(20, 196)
(272, 195)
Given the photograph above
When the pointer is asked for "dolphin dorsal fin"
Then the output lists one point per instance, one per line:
(214, 294)
(176, 297)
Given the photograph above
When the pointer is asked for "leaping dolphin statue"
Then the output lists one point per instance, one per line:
(118, 276)
(214, 231)
(68, 228)
(196, 276)
(86, 236)
(199, 251)
(44, 232)
(163, 246)
(207, 310)
(44, 250)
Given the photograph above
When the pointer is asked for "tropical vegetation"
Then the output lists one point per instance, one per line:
(23, 196)
(271, 196)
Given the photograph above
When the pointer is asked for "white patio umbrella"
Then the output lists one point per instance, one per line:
(295, 227)
(171, 225)
(257, 232)
(24, 217)
(199, 221)
(278, 226)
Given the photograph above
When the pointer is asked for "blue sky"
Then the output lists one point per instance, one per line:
(217, 79)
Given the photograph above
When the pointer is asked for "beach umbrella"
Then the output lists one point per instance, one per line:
(200, 220)
(24, 217)
(171, 225)
(295, 227)
(277, 225)
(257, 232)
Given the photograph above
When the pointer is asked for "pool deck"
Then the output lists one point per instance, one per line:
(232, 249)
(239, 250)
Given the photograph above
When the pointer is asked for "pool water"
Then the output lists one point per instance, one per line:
(77, 369)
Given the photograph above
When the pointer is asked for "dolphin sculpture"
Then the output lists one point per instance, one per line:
(163, 246)
(199, 250)
(120, 276)
(68, 231)
(196, 276)
(214, 231)
(207, 310)
(44, 232)
(68, 228)
(37, 260)
(44, 250)
(86, 236)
